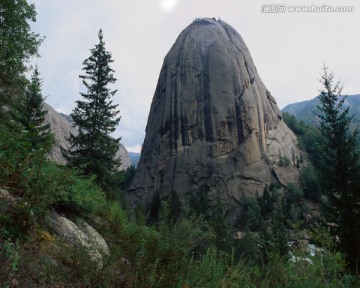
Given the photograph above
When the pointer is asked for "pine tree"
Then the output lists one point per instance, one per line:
(93, 149)
(17, 45)
(219, 222)
(31, 116)
(340, 166)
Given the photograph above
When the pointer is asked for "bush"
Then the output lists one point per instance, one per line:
(284, 161)
(253, 216)
(293, 194)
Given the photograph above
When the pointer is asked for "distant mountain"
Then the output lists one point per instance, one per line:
(305, 110)
(134, 158)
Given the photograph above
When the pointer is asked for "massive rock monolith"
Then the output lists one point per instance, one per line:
(213, 126)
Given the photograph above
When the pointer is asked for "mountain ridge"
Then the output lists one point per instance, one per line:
(304, 110)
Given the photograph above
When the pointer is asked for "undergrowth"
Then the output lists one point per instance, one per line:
(189, 250)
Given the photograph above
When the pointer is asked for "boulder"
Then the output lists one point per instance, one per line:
(213, 126)
(80, 233)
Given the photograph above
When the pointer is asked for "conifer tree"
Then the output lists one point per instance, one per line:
(17, 45)
(223, 236)
(31, 116)
(340, 166)
(93, 149)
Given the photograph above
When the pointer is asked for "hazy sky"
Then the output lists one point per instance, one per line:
(288, 48)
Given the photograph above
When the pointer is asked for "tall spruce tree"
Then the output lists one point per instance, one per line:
(340, 166)
(93, 149)
(31, 116)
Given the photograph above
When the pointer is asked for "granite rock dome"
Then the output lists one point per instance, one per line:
(213, 126)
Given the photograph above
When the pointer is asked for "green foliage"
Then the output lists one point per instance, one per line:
(93, 150)
(222, 229)
(168, 254)
(127, 177)
(175, 206)
(307, 135)
(310, 184)
(17, 45)
(154, 208)
(209, 272)
(161, 253)
(274, 235)
(17, 159)
(253, 215)
(297, 127)
(198, 201)
(293, 194)
(248, 249)
(10, 250)
(26, 173)
(31, 116)
(74, 191)
(283, 160)
(340, 166)
(9, 260)
(266, 202)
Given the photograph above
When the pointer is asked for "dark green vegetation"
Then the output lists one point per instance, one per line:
(18, 45)
(340, 166)
(193, 247)
(93, 149)
(333, 148)
(31, 116)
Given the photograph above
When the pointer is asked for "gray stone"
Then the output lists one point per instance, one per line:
(5, 195)
(79, 233)
(213, 126)
(61, 127)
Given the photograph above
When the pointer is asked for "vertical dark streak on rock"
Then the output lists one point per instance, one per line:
(261, 142)
(162, 99)
(239, 124)
(173, 175)
(247, 68)
(181, 69)
(184, 139)
(238, 118)
(207, 100)
(175, 132)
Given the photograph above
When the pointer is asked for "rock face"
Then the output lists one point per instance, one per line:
(213, 126)
(79, 233)
(61, 127)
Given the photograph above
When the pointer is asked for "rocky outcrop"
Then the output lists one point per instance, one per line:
(213, 126)
(80, 233)
(77, 231)
(61, 127)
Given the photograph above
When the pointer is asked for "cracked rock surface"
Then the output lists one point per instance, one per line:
(213, 126)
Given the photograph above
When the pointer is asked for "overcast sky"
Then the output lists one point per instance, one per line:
(288, 49)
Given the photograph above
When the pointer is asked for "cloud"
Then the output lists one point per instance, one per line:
(288, 49)
(168, 5)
